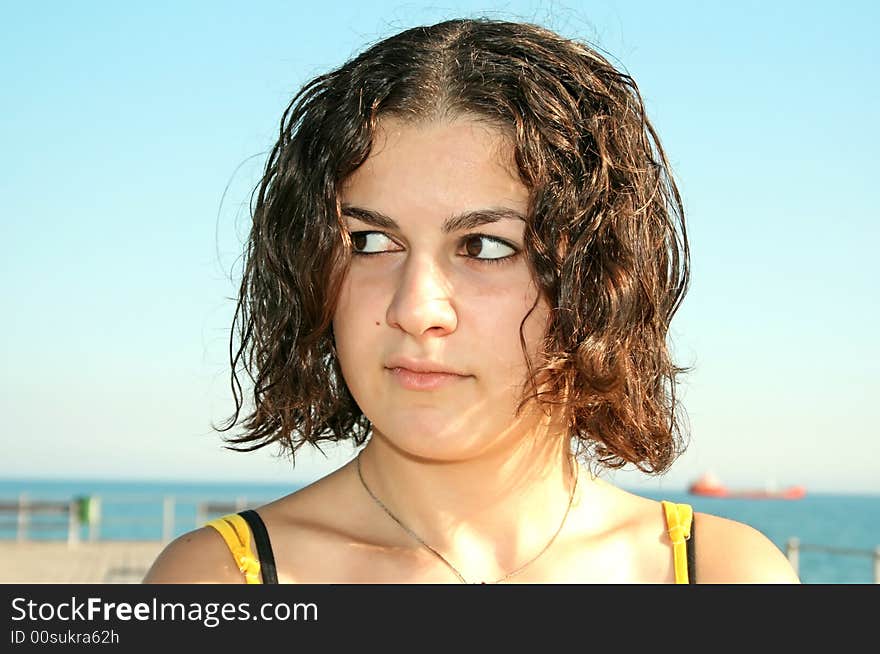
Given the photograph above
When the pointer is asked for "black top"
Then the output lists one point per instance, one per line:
(264, 547)
(692, 563)
(270, 576)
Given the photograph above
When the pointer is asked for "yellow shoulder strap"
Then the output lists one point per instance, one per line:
(237, 535)
(678, 524)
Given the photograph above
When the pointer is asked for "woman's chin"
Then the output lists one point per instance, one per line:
(436, 439)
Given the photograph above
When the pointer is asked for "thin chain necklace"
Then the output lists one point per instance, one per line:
(443, 558)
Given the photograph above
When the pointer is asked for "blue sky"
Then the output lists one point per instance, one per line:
(123, 124)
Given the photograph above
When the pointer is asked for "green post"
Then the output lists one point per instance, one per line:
(88, 509)
(88, 512)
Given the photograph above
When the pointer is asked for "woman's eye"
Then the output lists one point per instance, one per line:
(479, 246)
(371, 242)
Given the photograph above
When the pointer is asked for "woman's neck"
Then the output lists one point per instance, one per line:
(486, 514)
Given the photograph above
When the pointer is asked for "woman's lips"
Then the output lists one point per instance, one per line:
(423, 381)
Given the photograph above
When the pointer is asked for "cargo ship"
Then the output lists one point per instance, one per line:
(708, 485)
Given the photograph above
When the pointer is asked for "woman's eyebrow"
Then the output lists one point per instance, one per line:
(466, 220)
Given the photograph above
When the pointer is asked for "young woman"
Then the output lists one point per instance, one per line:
(466, 252)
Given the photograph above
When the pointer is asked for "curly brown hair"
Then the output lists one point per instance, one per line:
(605, 236)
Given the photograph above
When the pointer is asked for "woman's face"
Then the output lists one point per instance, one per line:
(438, 280)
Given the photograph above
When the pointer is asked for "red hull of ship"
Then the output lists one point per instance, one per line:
(792, 493)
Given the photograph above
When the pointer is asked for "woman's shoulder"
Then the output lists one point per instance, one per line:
(732, 552)
(301, 532)
(725, 551)
(200, 556)
(322, 532)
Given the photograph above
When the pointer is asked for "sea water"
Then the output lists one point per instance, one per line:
(157, 510)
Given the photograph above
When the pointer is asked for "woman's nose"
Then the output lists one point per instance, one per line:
(422, 300)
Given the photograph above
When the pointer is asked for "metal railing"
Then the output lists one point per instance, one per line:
(61, 514)
(794, 547)
(27, 517)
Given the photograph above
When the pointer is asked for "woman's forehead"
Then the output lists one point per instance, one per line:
(443, 166)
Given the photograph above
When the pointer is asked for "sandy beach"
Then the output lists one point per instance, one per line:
(105, 562)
